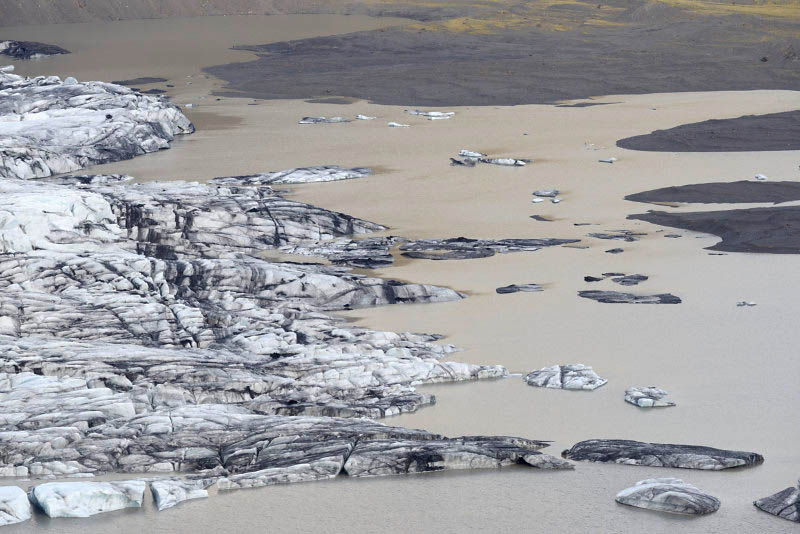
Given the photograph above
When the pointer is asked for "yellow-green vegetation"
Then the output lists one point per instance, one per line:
(494, 16)
(546, 15)
(788, 9)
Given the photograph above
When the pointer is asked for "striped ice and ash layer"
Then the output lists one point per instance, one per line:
(141, 331)
(49, 126)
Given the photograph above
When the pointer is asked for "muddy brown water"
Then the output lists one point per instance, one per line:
(732, 371)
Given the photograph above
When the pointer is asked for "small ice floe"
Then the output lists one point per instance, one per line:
(537, 200)
(431, 115)
(647, 397)
(517, 288)
(555, 200)
(85, 499)
(547, 193)
(7, 68)
(743, 303)
(629, 236)
(784, 504)
(15, 507)
(467, 162)
(365, 118)
(608, 160)
(397, 125)
(471, 158)
(761, 177)
(298, 175)
(509, 162)
(70, 80)
(617, 297)
(671, 495)
(189, 106)
(568, 376)
(169, 493)
(322, 120)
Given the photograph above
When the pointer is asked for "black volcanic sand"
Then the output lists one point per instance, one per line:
(144, 80)
(766, 230)
(723, 193)
(332, 100)
(648, 53)
(775, 131)
(585, 104)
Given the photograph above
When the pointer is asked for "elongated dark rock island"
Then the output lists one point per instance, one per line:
(616, 297)
(29, 49)
(623, 451)
(462, 248)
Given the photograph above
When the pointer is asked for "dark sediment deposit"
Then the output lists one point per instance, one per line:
(144, 80)
(767, 230)
(584, 104)
(430, 66)
(775, 131)
(723, 193)
(773, 230)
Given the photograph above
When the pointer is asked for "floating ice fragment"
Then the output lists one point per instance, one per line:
(322, 120)
(552, 193)
(432, 115)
